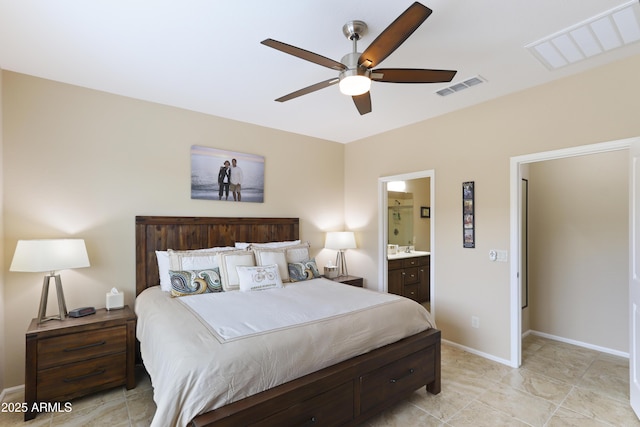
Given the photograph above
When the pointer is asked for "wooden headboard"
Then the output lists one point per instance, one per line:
(182, 233)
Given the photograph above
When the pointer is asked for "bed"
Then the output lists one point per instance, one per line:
(348, 390)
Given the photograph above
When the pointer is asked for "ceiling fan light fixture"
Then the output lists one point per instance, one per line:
(354, 83)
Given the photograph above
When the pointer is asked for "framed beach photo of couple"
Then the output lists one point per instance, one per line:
(226, 175)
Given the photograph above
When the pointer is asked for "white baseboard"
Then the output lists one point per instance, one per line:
(478, 353)
(578, 343)
(9, 390)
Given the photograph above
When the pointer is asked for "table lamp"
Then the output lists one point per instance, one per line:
(50, 255)
(340, 240)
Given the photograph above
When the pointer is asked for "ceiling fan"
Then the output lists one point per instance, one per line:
(356, 69)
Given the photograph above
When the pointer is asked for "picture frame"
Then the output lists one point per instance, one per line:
(425, 212)
(468, 215)
(209, 182)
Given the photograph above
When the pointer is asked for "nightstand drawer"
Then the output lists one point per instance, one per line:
(71, 348)
(71, 380)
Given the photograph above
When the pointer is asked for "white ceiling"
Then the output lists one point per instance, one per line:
(206, 56)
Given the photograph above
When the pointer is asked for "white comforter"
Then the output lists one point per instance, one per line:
(205, 351)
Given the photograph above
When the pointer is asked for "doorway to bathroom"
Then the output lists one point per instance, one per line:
(419, 193)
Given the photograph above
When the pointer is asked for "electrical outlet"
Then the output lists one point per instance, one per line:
(475, 322)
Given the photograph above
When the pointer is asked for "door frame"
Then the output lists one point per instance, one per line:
(515, 198)
(383, 222)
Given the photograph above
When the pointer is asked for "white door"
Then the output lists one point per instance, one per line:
(634, 276)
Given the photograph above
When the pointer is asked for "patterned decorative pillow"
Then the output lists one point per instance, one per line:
(193, 282)
(305, 270)
(164, 263)
(258, 278)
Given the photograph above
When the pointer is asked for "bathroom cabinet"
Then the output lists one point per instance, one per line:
(409, 277)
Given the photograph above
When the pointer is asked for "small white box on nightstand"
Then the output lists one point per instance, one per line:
(331, 271)
(115, 300)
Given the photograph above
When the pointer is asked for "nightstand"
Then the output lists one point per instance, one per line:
(350, 280)
(73, 357)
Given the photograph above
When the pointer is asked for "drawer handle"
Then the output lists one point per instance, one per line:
(311, 422)
(395, 380)
(82, 347)
(83, 377)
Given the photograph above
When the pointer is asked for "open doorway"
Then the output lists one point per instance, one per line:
(423, 207)
(518, 172)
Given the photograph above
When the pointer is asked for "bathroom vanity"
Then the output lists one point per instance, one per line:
(408, 275)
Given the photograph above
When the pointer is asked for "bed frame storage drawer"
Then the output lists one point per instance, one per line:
(395, 379)
(335, 407)
(81, 346)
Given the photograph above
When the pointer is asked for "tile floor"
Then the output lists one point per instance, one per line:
(558, 385)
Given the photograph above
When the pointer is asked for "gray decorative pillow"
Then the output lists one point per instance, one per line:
(193, 282)
(304, 270)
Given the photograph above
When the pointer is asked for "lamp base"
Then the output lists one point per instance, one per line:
(341, 262)
(62, 306)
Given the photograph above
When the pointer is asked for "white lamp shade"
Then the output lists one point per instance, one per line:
(49, 255)
(340, 240)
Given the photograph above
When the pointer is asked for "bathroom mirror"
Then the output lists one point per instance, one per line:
(400, 221)
(405, 225)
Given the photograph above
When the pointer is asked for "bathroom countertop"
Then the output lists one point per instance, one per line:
(412, 254)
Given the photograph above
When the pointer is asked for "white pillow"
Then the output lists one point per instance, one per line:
(179, 261)
(274, 256)
(258, 278)
(298, 253)
(163, 270)
(228, 261)
(164, 264)
(271, 245)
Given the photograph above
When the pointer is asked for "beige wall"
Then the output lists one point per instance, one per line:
(579, 240)
(2, 310)
(476, 144)
(84, 163)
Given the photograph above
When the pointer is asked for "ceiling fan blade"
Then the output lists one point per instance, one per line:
(394, 35)
(411, 75)
(305, 54)
(309, 89)
(363, 103)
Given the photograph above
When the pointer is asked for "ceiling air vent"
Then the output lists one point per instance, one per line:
(461, 86)
(612, 29)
